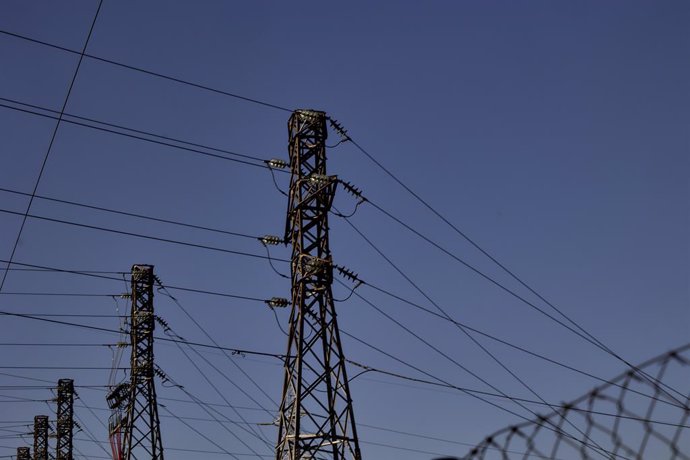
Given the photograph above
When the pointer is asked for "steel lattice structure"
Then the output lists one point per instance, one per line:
(641, 414)
(136, 434)
(316, 418)
(23, 453)
(41, 437)
(65, 419)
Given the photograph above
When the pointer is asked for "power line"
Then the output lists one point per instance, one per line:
(100, 275)
(248, 429)
(86, 368)
(84, 427)
(406, 449)
(583, 334)
(50, 145)
(44, 387)
(133, 136)
(208, 380)
(208, 336)
(509, 344)
(477, 394)
(39, 270)
(147, 237)
(22, 344)
(134, 130)
(164, 339)
(149, 72)
(58, 294)
(464, 331)
(131, 214)
(72, 315)
(515, 295)
(180, 449)
(552, 406)
(473, 269)
(191, 427)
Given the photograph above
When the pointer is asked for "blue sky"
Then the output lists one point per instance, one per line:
(554, 134)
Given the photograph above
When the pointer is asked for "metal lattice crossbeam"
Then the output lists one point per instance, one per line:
(641, 414)
(316, 418)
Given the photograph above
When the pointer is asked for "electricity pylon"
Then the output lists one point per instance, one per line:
(23, 453)
(136, 435)
(316, 420)
(41, 437)
(65, 419)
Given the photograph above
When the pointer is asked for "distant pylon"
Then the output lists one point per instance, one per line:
(316, 420)
(23, 453)
(65, 419)
(41, 437)
(136, 434)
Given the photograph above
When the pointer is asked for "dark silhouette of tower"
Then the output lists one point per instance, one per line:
(316, 420)
(65, 419)
(23, 453)
(135, 430)
(41, 437)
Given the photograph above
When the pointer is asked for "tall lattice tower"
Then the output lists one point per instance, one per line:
(41, 437)
(135, 431)
(316, 419)
(65, 419)
(23, 453)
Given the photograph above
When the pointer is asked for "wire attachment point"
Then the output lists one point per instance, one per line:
(352, 190)
(321, 179)
(163, 323)
(338, 128)
(277, 302)
(271, 240)
(161, 374)
(347, 273)
(276, 163)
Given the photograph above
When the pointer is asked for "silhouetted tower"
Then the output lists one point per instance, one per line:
(23, 453)
(141, 434)
(41, 437)
(316, 419)
(65, 419)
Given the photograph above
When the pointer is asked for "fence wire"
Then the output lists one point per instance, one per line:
(641, 414)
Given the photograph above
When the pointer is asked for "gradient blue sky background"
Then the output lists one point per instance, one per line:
(552, 133)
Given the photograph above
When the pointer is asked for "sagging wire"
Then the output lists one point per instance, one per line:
(354, 191)
(338, 128)
(167, 330)
(166, 381)
(361, 366)
(278, 302)
(272, 240)
(276, 163)
(350, 275)
(240, 353)
(122, 343)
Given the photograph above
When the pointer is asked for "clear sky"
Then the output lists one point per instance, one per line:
(553, 134)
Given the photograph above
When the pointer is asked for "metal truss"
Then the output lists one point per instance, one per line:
(316, 420)
(41, 437)
(23, 453)
(65, 419)
(136, 434)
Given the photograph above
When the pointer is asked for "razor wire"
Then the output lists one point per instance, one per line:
(641, 414)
